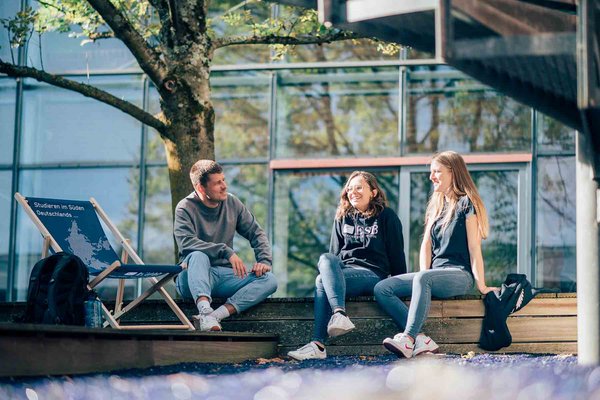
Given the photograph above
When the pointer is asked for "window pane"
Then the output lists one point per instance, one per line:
(446, 111)
(241, 105)
(7, 119)
(337, 113)
(499, 191)
(5, 203)
(305, 205)
(555, 230)
(63, 126)
(554, 136)
(116, 190)
(61, 53)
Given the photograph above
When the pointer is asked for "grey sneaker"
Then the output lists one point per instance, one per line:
(339, 324)
(308, 352)
(206, 323)
(424, 344)
(400, 345)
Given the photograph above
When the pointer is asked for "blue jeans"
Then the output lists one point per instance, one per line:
(200, 279)
(333, 284)
(440, 282)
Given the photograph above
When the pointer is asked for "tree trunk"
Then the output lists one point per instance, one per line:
(194, 140)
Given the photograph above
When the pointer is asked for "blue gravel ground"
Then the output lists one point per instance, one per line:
(480, 377)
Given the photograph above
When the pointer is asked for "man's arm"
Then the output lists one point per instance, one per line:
(187, 238)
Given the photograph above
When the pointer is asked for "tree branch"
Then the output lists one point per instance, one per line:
(163, 10)
(86, 90)
(286, 40)
(148, 58)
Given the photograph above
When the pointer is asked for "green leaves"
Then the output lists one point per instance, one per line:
(19, 27)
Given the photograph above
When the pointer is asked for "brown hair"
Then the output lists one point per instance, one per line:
(202, 169)
(462, 185)
(376, 205)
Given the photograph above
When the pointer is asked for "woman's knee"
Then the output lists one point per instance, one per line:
(384, 288)
(327, 261)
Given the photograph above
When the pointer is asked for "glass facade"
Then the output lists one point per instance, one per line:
(288, 136)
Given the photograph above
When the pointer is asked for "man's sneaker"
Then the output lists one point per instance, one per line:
(308, 352)
(400, 345)
(206, 323)
(424, 344)
(339, 324)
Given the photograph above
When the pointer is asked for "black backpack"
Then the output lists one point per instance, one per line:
(57, 291)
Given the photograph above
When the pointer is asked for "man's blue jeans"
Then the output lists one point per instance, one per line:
(201, 279)
(440, 282)
(333, 284)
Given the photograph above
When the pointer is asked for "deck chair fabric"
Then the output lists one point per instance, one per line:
(73, 226)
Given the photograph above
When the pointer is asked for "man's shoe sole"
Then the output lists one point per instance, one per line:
(391, 346)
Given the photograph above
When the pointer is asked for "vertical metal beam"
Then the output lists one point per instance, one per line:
(588, 279)
(142, 183)
(18, 132)
(533, 169)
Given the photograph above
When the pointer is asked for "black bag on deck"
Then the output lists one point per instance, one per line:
(57, 291)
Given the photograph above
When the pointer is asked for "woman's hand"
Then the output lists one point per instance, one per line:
(486, 289)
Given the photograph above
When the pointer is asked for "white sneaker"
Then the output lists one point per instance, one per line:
(308, 352)
(424, 344)
(339, 324)
(400, 345)
(206, 323)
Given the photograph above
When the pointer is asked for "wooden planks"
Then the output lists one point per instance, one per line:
(32, 350)
(546, 325)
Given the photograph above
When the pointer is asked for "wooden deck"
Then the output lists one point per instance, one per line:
(546, 325)
(33, 350)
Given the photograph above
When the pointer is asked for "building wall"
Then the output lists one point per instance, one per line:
(289, 134)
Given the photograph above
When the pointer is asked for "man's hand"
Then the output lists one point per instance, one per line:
(239, 269)
(260, 269)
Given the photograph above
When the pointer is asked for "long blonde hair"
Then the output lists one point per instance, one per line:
(377, 203)
(462, 184)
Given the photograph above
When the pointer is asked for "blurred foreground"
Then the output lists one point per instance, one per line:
(362, 378)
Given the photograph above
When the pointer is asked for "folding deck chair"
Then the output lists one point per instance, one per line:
(73, 226)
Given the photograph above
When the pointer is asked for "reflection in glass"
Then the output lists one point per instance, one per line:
(63, 126)
(499, 191)
(555, 230)
(331, 113)
(7, 119)
(5, 203)
(305, 205)
(241, 105)
(116, 189)
(554, 136)
(446, 111)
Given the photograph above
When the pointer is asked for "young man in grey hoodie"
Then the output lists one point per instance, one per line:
(205, 224)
